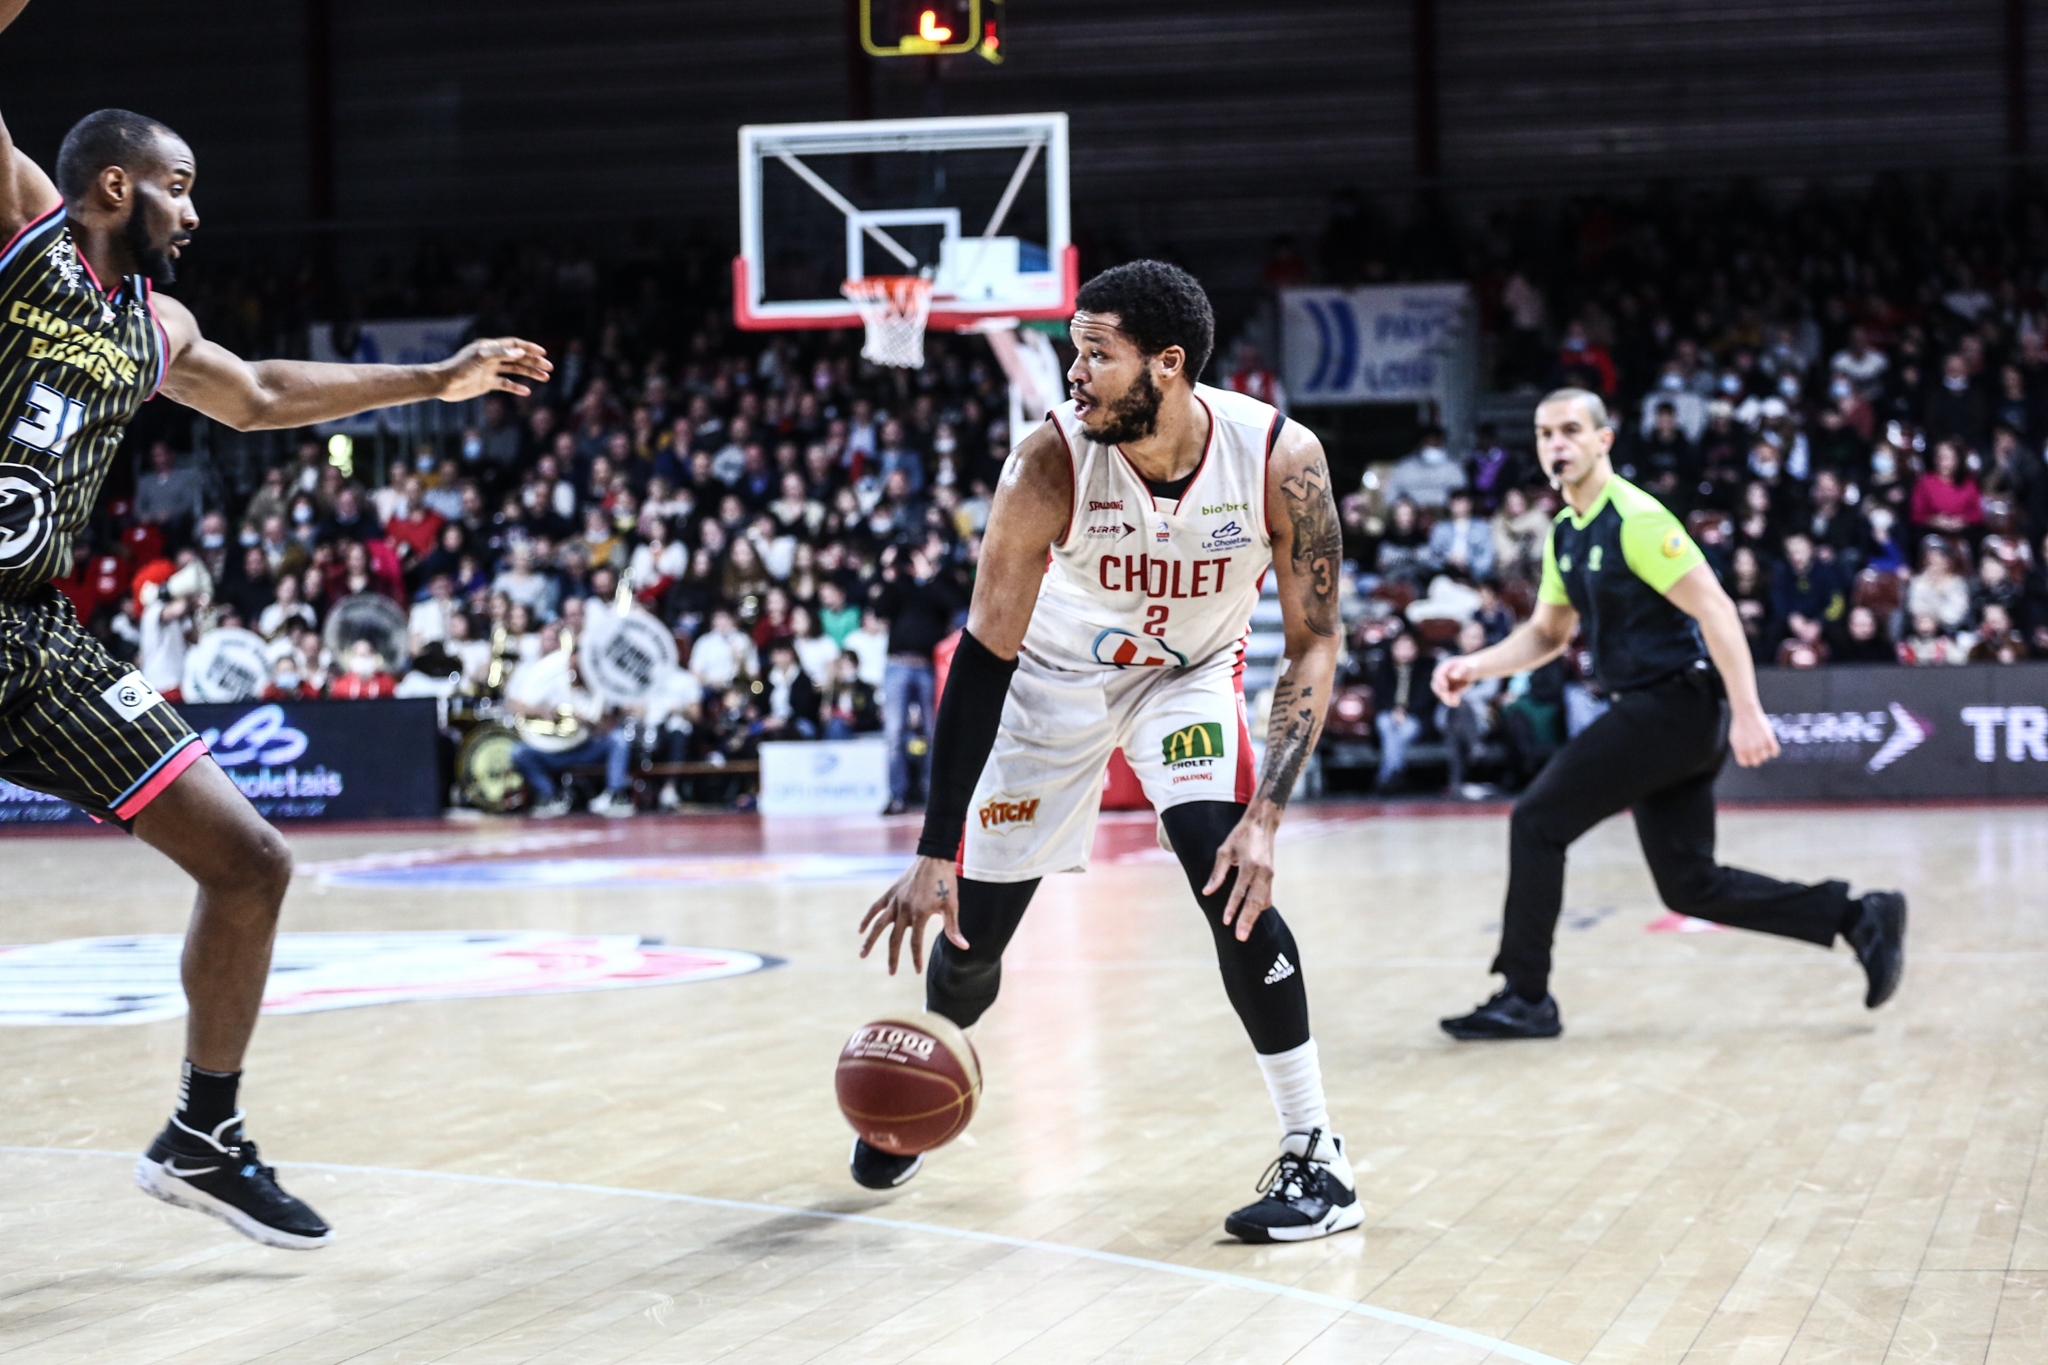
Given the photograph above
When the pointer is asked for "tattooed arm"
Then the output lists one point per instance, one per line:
(1307, 556)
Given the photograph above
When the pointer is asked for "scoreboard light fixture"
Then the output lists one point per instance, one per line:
(932, 28)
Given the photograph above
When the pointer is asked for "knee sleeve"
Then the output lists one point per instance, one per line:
(962, 983)
(1261, 975)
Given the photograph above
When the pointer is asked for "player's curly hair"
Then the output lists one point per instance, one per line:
(109, 137)
(1157, 306)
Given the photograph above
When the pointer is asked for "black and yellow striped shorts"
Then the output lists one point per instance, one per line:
(77, 723)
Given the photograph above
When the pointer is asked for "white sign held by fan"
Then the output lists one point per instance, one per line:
(226, 666)
(625, 655)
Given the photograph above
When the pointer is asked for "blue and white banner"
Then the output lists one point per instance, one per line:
(1385, 344)
(302, 760)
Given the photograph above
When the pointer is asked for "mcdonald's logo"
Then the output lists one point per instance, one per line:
(1196, 741)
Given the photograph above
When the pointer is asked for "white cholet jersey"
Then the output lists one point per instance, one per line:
(1139, 582)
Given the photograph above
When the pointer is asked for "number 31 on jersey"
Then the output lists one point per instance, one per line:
(50, 422)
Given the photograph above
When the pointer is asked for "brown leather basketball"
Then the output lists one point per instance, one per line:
(909, 1084)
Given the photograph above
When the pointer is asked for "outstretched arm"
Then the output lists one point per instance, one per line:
(1308, 553)
(262, 395)
(26, 194)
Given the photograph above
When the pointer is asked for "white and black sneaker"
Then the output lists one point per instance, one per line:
(1309, 1192)
(219, 1173)
(880, 1170)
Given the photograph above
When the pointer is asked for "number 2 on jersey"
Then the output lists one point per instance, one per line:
(51, 420)
(1155, 619)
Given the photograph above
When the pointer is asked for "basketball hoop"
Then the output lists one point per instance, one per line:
(895, 309)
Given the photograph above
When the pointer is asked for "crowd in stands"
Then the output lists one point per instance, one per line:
(1846, 401)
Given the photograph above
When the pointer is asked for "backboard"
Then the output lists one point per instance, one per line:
(978, 205)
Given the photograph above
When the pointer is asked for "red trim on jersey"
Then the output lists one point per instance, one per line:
(1247, 779)
(167, 772)
(1073, 490)
(26, 228)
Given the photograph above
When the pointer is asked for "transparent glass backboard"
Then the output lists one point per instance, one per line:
(977, 205)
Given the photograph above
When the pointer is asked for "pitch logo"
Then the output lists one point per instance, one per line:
(27, 514)
(1127, 649)
(1000, 814)
(1193, 743)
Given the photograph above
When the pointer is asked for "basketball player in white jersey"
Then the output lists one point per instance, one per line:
(1114, 596)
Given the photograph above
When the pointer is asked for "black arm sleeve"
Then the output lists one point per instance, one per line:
(969, 715)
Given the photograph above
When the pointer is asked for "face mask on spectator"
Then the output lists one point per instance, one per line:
(1672, 383)
(1731, 384)
(250, 537)
(302, 514)
(1882, 464)
(1841, 390)
(1788, 386)
(1767, 469)
(212, 540)
(472, 447)
(424, 461)
(1955, 383)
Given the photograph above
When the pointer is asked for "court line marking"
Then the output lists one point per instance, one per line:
(1507, 1350)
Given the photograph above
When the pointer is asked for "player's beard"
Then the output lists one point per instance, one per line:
(152, 261)
(1132, 417)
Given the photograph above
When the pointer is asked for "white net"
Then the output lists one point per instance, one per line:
(895, 309)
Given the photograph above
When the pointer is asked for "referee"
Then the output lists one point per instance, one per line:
(1668, 647)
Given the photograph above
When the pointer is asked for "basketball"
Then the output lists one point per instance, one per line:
(908, 1085)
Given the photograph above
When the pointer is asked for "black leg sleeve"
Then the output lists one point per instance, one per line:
(962, 985)
(1261, 975)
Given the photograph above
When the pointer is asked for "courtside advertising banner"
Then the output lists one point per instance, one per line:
(301, 760)
(1864, 731)
(1385, 344)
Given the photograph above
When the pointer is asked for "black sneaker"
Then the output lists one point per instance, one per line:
(880, 1170)
(1879, 938)
(1309, 1192)
(1507, 1015)
(219, 1173)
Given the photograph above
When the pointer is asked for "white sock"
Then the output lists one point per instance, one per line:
(1295, 1080)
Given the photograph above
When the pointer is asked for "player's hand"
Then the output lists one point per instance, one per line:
(1249, 849)
(1751, 737)
(493, 365)
(1452, 676)
(927, 887)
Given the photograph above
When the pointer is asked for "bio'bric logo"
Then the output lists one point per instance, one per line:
(260, 737)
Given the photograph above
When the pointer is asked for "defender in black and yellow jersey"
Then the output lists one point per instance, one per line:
(1668, 647)
(84, 341)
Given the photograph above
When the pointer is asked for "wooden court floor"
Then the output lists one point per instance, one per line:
(1725, 1159)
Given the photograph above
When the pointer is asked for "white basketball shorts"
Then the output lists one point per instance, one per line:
(1181, 729)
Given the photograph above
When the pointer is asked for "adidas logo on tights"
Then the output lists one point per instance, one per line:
(1282, 969)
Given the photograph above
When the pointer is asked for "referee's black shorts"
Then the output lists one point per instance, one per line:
(77, 723)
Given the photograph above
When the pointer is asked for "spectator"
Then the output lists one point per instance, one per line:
(791, 709)
(523, 583)
(1864, 642)
(849, 702)
(919, 602)
(1519, 533)
(564, 726)
(1938, 592)
(815, 650)
(1458, 545)
(365, 677)
(1946, 499)
(1466, 725)
(169, 498)
(1996, 641)
(1957, 408)
(1427, 477)
(1808, 595)
(723, 654)
(1404, 548)
(1927, 644)
(870, 646)
(1400, 686)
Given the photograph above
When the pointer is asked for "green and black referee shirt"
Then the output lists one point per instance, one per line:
(1613, 566)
